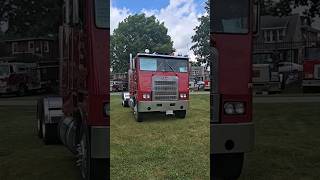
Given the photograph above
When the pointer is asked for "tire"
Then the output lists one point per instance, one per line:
(22, 91)
(181, 114)
(49, 133)
(306, 89)
(39, 118)
(137, 115)
(226, 166)
(125, 103)
(91, 168)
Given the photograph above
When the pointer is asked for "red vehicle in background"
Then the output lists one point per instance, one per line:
(158, 83)
(19, 78)
(79, 117)
(207, 85)
(311, 69)
(232, 26)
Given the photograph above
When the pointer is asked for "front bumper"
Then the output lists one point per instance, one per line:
(162, 106)
(4, 90)
(231, 138)
(311, 83)
(267, 86)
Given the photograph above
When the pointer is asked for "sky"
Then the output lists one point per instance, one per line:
(179, 16)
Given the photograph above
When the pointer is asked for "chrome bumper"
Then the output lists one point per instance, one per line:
(311, 83)
(231, 138)
(162, 106)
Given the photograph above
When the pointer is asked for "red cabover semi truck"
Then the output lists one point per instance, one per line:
(158, 83)
(232, 26)
(79, 116)
(311, 68)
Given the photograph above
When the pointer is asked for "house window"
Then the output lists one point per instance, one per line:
(281, 34)
(14, 48)
(274, 35)
(46, 46)
(267, 36)
(31, 46)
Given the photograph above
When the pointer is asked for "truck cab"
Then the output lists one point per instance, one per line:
(231, 125)
(311, 69)
(159, 83)
(265, 73)
(18, 78)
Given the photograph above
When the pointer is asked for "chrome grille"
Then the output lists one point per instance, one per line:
(165, 88)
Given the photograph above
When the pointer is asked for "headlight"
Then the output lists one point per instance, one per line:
(106, 109)
(308, 76)
(234, 108)
(239, 107)
(146, 96)
(183, 96)
(228, 108)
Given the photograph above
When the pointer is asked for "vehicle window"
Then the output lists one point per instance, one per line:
(148, 64)
(102, 13)
(164, 65)
(4, 70)
(312, 54)
(230, 16)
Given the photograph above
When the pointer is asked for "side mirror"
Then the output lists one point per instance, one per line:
(132, 62)
(256, 17)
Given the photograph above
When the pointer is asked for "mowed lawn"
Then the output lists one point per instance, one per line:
(287, 145)
(160, 147)
(23, 156)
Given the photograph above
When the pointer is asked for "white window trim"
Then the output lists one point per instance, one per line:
(46, 47)
(13, 49)
(31, 50)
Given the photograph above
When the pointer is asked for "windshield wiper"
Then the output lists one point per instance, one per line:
(170, 66)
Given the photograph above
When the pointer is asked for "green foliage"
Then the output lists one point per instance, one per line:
(201, 39)
(285, 7)
(31, 18)
(135, 34)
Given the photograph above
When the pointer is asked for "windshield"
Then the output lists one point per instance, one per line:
(312, 54)
(102, 13)
(163, 64)
(4, 70)
(229, 16)
(262, 59)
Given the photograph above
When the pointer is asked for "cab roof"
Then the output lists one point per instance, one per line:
(161, 56)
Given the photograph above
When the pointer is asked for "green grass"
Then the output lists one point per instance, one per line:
(287, 145)
(23, 156)
(160, 147)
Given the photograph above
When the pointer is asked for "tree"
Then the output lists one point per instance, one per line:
(135, 34)
(195, 63)
(201, 39)
(30, 18)
(285, 7)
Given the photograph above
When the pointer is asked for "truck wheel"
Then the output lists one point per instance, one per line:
(125, 103)
(137, 115)
(39, 125)
(226, 166)
(181, 114)
(22, 90)
(91, 168)
(306, 90)
(49, 133)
